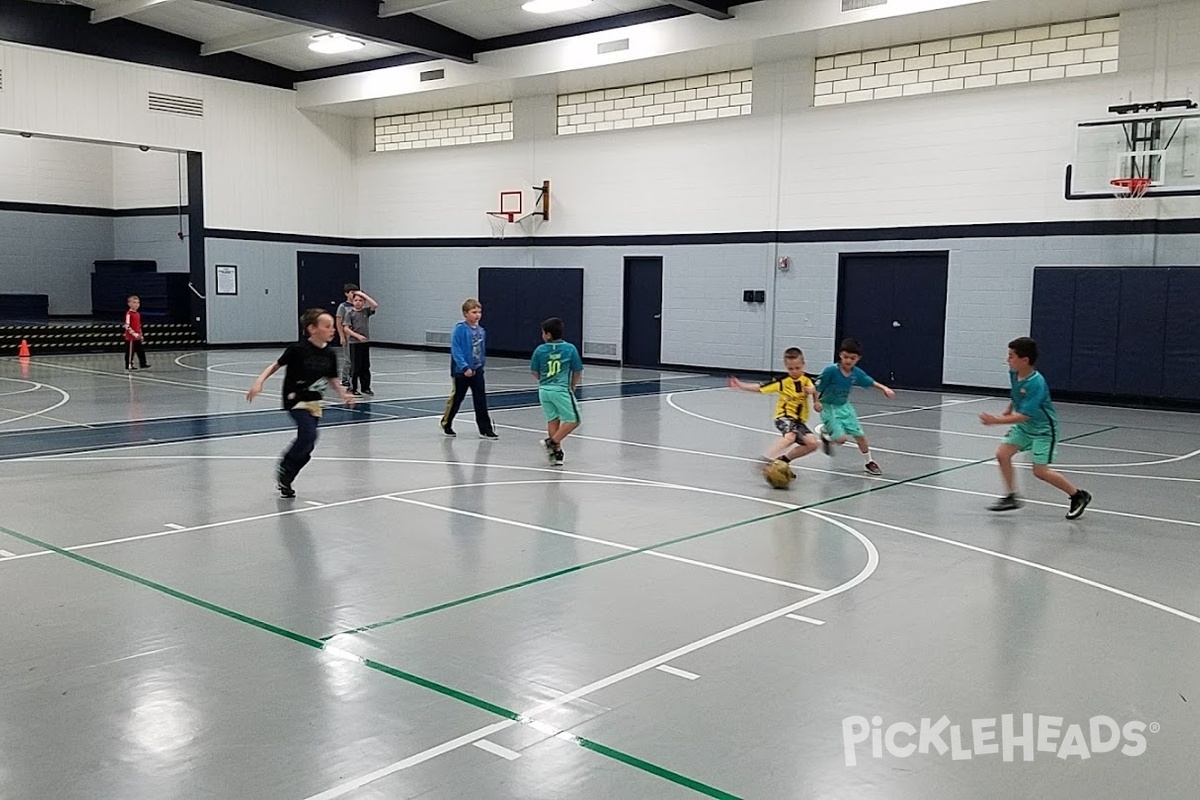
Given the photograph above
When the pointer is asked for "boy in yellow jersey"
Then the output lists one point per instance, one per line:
(791, 410)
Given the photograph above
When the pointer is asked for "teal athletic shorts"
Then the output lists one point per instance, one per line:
(558, 404)
(1044, 446)
(840, 420)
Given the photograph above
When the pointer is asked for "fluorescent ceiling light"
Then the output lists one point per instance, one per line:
(549, 6)
(330, 43)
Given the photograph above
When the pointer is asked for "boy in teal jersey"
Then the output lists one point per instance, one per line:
(557, 366)
(839, 420)
(1034, 428)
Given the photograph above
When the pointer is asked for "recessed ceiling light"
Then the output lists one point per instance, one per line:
(550, 6)
(334, 43)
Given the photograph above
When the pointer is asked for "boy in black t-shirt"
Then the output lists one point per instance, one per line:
(311, 366)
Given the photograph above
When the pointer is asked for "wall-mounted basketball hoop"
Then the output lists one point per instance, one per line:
(512, 208)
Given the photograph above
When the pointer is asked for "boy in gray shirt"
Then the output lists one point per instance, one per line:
(357, 324)
(339, 320)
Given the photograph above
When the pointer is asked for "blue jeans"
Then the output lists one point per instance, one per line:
(300, 451)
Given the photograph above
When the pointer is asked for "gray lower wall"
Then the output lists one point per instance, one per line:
(265, 307)
(52, 254)
(705, 322)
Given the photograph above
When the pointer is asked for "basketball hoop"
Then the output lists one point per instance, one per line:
(1132, 194)
(499, 220)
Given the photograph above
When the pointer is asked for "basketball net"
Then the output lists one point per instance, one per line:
(1131, 192)
(499, 220)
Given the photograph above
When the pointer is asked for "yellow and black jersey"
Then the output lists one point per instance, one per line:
(792, 400)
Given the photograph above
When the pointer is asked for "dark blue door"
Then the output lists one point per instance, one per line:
(320, 278)
(517, 299)
(642, 330)
(895, 305)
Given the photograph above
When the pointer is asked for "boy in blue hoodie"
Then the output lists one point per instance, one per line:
(468, 355)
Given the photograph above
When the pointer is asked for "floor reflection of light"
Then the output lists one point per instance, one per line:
(162, 720)
(342, 674)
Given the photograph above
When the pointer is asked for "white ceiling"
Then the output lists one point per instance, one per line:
(487, 19)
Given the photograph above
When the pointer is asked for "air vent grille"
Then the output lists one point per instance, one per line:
(174, 104)
(855, 5)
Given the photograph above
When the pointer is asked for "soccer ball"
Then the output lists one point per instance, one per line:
(778, 474)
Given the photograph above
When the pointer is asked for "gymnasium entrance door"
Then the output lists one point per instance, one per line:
(320, 278)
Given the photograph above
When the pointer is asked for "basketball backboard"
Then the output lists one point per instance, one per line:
(1162, 146)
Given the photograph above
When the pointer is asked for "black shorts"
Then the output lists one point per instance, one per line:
(786, 425)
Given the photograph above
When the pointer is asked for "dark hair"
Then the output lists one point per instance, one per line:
(554, 327)
(792, 352)
(1024, 347)
(350, 287)
(850, 346)
(311, 317)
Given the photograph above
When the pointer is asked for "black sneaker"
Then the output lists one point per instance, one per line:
(1079, 501)
(557, 459)
(490, 435)
(1008, 503)
(144, 366)
(826, 444)
(285, 490)
(448, 432)
(873, 468)
(368, 392)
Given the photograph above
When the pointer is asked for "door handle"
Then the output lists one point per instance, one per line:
(658, 316)
(895, 323)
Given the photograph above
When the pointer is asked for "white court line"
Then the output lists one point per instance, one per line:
(595, 686)
(1025, 562)
(996, 438)
(797, 465)
(775, 433)
(7, 553)
(174, 526)
(947, 404)
(62, 401)
(809, 620)
(593, 539)
(497, 750)
(139, 378)
(1082, 468)
(678, 673)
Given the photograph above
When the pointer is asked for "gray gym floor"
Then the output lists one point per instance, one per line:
(444, 618)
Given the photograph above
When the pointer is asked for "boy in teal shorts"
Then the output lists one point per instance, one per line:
(839, 421)
(557, 366)
(1034, 428)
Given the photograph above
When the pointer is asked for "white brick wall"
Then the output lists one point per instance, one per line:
(698, 97)
(445, 127)
(1021, 55)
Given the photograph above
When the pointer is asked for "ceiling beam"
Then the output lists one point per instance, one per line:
(122, 8)
(240, 41)
(360, 18)
(709, 8)
(394, 8)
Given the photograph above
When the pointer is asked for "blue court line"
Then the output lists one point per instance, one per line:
(52, 441)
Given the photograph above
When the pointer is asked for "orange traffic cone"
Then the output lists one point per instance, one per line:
(23, 350)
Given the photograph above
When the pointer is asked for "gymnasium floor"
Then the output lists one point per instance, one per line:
(443, 618)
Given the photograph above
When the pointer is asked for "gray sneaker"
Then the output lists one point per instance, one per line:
(1007, 503)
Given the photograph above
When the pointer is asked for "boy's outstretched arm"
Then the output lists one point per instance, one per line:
(1007, 418)
(811, 391)
(888, 392)
(257, 387)
(743, 386)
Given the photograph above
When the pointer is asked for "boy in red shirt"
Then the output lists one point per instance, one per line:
(133, 334)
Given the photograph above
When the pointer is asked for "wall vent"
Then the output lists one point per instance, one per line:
(437, 337)
(433, 75)
(600, 349)
(855, 5)
(1, 79)
(615, 46)
(174, 104)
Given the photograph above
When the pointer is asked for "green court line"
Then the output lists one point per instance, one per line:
(378, 666)
(484, 705)
(687, 537)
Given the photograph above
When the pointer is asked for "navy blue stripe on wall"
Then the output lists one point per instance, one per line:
(1002, 230)
(88, 211)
